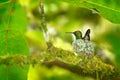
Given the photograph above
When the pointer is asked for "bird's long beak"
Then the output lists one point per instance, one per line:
(70, 32)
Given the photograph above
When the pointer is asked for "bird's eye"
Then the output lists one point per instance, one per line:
(78, 33)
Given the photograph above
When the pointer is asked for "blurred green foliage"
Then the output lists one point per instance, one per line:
(54, 73)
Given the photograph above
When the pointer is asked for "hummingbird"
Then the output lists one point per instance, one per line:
(82, 45)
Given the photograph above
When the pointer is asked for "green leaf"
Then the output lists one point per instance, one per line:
(13, 25)
(14, 72)
(109, 9)
(3, 13)
(12, 42)
(16, 19)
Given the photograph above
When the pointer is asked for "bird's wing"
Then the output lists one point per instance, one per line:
(87, 35)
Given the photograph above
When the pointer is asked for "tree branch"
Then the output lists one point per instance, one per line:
(65, 59)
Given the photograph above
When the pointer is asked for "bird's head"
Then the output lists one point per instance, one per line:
(76, 34)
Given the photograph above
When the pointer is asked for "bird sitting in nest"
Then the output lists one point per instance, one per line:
(82, 45)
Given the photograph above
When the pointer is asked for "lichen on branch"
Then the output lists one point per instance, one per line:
(64, 59)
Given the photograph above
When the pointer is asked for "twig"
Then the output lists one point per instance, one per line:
(43, 25)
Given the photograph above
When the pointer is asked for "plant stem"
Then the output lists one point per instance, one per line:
(43, 25)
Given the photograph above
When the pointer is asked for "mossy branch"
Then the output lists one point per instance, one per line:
(65, 59)
(43, 24)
